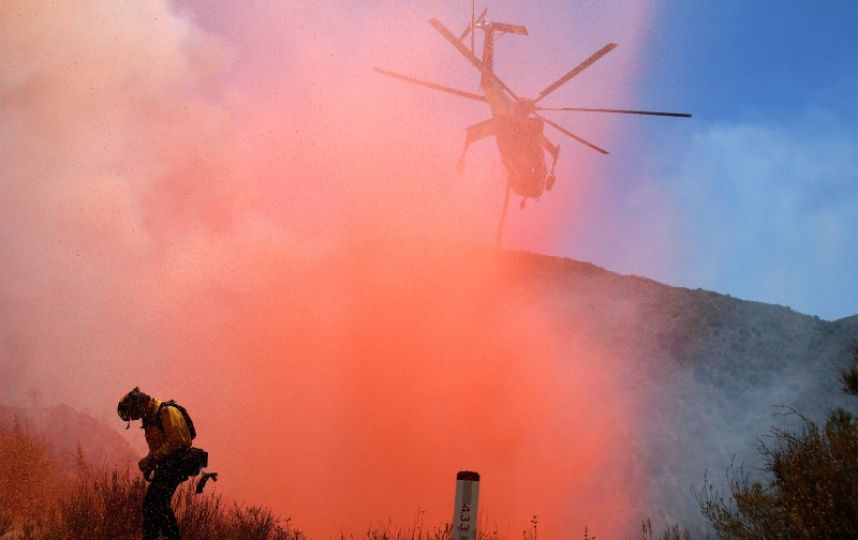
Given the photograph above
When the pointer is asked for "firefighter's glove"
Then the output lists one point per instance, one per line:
(147, 467)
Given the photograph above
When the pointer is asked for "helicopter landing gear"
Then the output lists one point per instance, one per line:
(549, 182)
(551, 179)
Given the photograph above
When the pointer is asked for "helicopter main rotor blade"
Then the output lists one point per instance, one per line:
(568, 133)
(623, 111)
(578, 69)
(469, 55)
(427, 84)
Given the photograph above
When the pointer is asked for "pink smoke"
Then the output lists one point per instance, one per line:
(225, 206)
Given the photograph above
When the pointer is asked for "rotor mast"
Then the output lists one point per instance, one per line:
(489, 28)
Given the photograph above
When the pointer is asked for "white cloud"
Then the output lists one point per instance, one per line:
(770, 213)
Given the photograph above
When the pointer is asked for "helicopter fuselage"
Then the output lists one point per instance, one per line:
(518, 140)
(519, 136)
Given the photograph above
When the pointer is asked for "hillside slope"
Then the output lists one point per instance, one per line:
(64, 429)
(708, 372)
(714, 371)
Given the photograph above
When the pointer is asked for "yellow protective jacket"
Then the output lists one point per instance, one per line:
(175, 434)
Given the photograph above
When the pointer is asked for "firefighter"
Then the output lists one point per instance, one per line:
(169, 433)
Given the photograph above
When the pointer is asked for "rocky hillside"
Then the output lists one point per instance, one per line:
(714, 371)
(64, 430)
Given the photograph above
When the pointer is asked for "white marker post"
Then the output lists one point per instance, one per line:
(465, 506)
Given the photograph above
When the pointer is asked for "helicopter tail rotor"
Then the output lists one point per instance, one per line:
(476, 62)
(475, 20)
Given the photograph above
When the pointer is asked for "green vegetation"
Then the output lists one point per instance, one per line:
(812, 492)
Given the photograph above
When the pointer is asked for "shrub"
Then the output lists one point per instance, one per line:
(28, 479)
(108, 506)
(813, 489)
(41, 501)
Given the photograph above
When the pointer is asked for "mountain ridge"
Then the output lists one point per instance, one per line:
(67, 431)
(713, 372)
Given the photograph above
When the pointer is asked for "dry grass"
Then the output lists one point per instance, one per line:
(39, 500)
(30, 484)
(108, 506)
(42, 501)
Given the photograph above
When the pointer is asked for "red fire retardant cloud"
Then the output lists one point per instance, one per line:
(227, 208)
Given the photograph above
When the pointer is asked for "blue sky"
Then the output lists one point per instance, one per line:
(757, 195)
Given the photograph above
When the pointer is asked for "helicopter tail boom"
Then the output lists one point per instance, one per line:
(481, 66)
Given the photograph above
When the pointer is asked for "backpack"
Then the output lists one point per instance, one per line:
(191, 460)
(187, 417)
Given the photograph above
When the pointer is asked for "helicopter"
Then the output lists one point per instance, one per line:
(516, 122)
